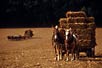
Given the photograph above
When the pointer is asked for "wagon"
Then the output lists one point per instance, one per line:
(84, 27)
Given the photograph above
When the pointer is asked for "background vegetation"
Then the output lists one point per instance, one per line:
(35, 13)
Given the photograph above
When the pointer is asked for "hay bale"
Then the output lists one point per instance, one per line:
(76, 19)
(90, 19)
(63, 20)
(87, 43)
(84, 42)
(91, 25)
(74, 25)
(75, 14)
(87, 37)
(85, 31)
(79, 19)
(78, 25)
(70, 20)
(66, 20)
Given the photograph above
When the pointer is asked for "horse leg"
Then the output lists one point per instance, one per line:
(67, 54)
(67, 51)
(77, 53)
(73, 57)
(72, 52)
(57, 53)
(60, 52)
(55, 47)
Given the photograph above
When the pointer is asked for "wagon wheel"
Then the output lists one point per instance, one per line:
(91, 52)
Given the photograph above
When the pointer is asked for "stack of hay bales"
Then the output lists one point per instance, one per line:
(82, 25)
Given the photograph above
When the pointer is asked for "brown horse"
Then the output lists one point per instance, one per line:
(57, 42)
(70, 44)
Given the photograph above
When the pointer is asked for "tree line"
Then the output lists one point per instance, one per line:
(44, 12)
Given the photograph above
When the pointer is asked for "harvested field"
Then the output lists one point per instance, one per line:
(37, 52)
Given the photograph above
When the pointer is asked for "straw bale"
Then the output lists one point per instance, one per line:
(91, 25)
(78, 25)
(85, 31)
(84, 42)
(63, 20)
(70, 20)
(74, 25)
(87, 37)
(88, 43)
(75, 14)
(89, 19)
(79, 19)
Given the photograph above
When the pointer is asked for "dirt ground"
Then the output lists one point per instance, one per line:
(38, 52)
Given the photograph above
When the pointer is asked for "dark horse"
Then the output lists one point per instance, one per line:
(57, 42)
(70, 44)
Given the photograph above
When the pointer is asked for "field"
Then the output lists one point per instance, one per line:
(38, 51)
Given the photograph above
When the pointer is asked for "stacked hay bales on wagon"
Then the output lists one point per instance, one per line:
(84, 27)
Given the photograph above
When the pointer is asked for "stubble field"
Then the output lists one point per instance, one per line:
(38, 52)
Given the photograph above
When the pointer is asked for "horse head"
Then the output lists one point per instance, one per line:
(68, 35)
(55, 32)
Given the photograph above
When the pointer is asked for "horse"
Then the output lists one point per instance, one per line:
(57, 42)
(70, 44)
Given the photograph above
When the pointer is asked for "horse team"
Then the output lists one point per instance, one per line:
(64, 42)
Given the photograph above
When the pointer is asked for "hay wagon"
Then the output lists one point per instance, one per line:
(84, 27)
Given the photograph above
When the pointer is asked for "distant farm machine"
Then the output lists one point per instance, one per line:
(28, 34)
